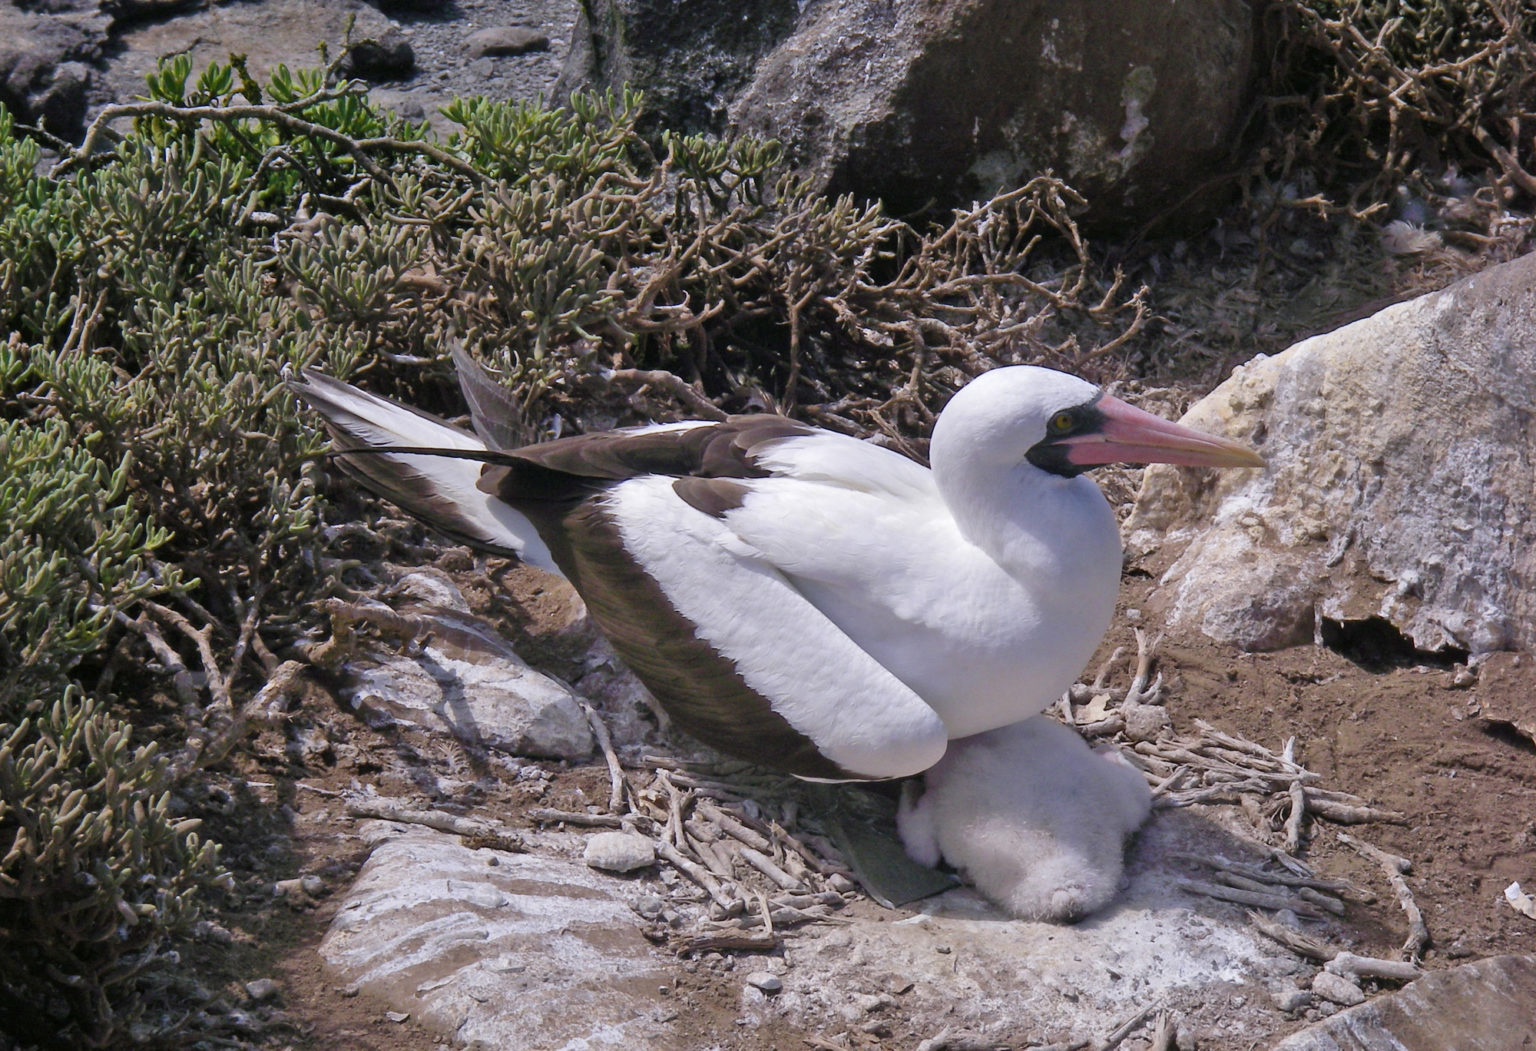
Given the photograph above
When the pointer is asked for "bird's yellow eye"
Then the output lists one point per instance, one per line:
(1061, 423)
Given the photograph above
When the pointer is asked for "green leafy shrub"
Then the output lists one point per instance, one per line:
(96, 876)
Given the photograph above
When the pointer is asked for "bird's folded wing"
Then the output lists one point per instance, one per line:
(736, 654)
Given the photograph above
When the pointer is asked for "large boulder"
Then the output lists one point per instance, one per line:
(689, 57)
(1398, 487)
(944, 101)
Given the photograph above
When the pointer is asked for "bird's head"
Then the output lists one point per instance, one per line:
(1064, 425)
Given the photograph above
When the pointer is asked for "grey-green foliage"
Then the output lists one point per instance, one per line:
(74, 553)
(148, 330)
(96, 874)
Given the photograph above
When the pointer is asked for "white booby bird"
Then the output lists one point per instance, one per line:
(792, 596)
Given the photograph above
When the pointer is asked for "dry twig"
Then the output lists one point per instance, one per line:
(1395, 867)
(480, 833)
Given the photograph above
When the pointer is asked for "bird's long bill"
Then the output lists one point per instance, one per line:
(1129, 435)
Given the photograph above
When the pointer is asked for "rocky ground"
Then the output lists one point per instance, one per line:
(495, 48)
(1424, 738)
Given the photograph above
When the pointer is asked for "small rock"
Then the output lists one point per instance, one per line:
(397, 1016)
(261, 990)
(872, 1002)
(650, 906)
(431, 586)
(1144, 722)
(312, 885)
(1290, 999)
(208, 931)
(619, 852)
(386, 57)
(1338, 989)
(293, 891)
(842, 884)
(762, 980)
(505, 40)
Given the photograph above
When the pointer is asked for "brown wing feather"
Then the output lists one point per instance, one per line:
(717, 450)
(700, 690)
(559, 486)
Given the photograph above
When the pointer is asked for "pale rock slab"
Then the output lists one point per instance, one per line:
(522, 951)
(958, 963)
(469, 681)
(1401, 451)
(497, 950)
(1489, 1005)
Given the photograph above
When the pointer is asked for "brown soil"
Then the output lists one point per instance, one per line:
(1409, 737)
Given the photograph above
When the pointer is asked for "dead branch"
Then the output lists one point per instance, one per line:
(1248, 897)
(1299, 943)
(549, 816)
(617, 784)
(482, 833)
(1347, 963)
(1395, 867)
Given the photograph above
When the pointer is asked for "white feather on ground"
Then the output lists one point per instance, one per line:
(1031, 815)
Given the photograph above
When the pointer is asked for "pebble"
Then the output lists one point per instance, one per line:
(1144, 722)
(1338, 989)
(619, 852)
(397, 1016)
(762, 980)
(650, 906)
(386, 57)
(505, 40)
(1290, 999)
(261, 990)
(294, 891)
(207, 930)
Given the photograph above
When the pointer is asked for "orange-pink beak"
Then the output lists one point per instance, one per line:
(1129, 435)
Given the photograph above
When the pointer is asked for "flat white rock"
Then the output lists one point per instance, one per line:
(529, 952)
(1489, 1005)
(469, 681)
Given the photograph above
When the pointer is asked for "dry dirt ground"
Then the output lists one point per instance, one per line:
(1410, 733)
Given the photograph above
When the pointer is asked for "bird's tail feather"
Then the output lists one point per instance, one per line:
(424, 466)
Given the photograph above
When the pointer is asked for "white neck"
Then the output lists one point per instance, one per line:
(1034, 524)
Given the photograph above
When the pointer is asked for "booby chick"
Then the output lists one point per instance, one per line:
(1031, 815)
(795, 597)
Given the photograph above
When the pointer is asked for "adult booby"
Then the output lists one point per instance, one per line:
(792, 596)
